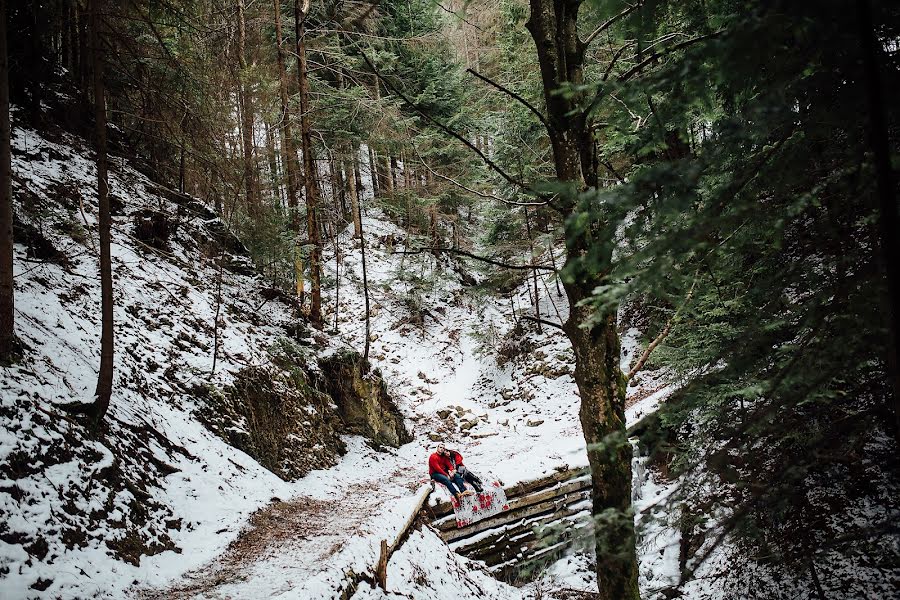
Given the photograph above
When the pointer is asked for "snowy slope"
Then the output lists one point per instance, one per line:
(220, 525)
(153, 478)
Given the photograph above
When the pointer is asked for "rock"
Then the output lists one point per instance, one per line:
(460, 411)
(435, 437)
(362, 398)
(276, 417)
(467, 425)
(504, 422)
(479, 436)
(444, 413)
(534, 423)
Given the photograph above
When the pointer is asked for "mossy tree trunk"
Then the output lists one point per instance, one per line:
(553, 26)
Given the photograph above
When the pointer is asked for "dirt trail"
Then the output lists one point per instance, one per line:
(298, 526)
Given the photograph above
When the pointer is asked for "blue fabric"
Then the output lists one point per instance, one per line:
(452, 485)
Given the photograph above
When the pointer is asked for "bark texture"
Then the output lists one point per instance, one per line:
(309, 167)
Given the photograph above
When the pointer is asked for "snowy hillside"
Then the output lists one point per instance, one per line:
(171, 509)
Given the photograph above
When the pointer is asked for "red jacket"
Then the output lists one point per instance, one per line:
(444, 464)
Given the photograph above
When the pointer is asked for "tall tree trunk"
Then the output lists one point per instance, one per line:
(537, 295)
(309, 166)
(393, 167)
(272, 159)
(365, 277)
(354, 193)
(373, 172)
(7, 294)
(105, 377)
(246, 102)
(553, 26)
(289, 154)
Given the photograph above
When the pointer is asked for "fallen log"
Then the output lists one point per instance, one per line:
(442, 509)
(448, 524)
(551, 505)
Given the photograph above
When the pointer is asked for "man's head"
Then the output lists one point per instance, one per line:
(442, 450)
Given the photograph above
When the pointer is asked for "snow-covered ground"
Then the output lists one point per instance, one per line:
(223, 526)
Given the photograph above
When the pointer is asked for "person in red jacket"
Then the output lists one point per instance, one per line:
(443, 469)
(467, 475)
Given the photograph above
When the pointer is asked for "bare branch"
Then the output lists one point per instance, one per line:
(542, 321)
(662, 334)
(657, 55)
(604, 26)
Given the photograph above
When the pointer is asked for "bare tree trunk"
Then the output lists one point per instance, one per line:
(289, 154)
(7, 293)
(309, 164)
(393, 177)
(246, 103)
(105, 376)
(537, 295)
(274, 175)
(362, 250)
(385, 177)
(354, 194)
(560, 52)
(373, 172)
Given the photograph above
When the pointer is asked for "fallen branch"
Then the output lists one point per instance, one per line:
(662, 334)
(542, 321)
(388, 550)
(490, 261)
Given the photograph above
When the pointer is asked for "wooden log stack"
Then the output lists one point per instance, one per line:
(545, 517)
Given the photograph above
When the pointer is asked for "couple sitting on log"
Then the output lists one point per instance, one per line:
(447, 468)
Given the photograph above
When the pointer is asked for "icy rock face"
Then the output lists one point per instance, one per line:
(277, 418)
(362, 398)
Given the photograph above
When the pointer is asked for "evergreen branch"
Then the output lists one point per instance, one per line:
(514, 96)
(484, 259)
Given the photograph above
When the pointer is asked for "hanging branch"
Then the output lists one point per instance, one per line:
(662, 334)
(514, 96)
(490, 163)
